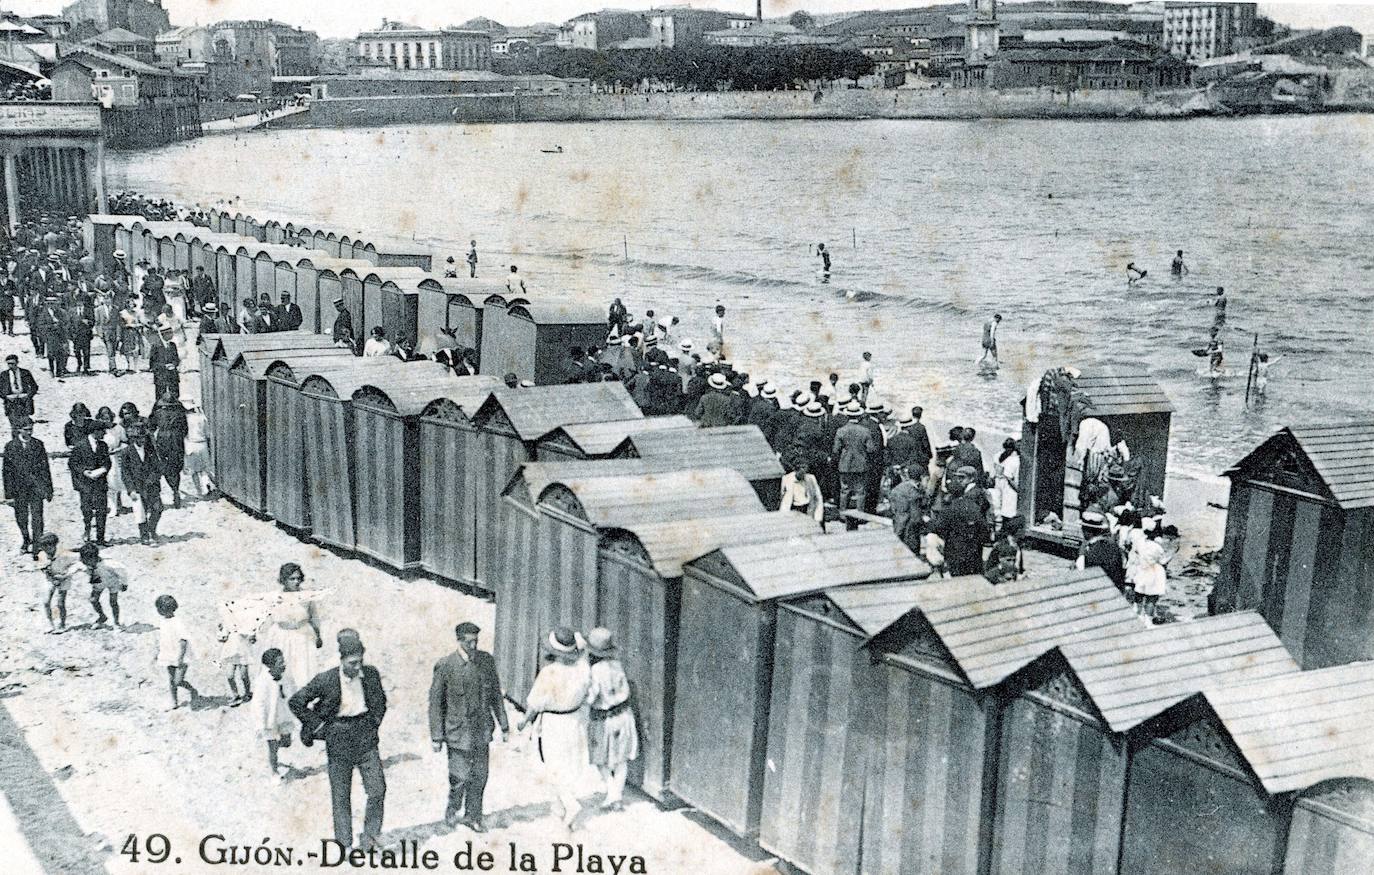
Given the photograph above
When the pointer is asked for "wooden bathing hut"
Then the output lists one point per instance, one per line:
(386, 428)
(1268, 776)
(1300, 541)
(741, 447)
(316, 302)
(556, 511)
(726, 637)
(503, 435)
(374, 310)
(1062, 752)
(245, 430)
(446, 306)
(533, 340)
(342, 278)
(604, 440)
(245, 225)
(287, 490)
(215, 253)
(274, 270)
(1306, 736)
(156, 241)
(217, 353)
(385, 252)
(638, 597)
(100, 235)
(1134, 409)
(331, 458)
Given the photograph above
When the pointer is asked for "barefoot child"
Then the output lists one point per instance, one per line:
(173, 648)
(237, 638)
(61, 566)
(272, 718)
(106, 576)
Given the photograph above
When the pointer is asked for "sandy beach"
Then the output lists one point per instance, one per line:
(93, 755)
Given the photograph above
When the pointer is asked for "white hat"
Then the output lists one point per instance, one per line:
(815, 410)
(119, 253)
(769, 391)
(852, 410)
(526, 384)
(685, 346)
(717, 381)
(803, 399)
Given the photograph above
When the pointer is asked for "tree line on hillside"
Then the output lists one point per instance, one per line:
(701, 68)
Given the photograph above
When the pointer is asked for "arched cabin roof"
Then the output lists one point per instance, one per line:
(258, 363)
(668, 545)
(230, 345)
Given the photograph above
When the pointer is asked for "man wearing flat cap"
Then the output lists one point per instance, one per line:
(344, 707)
(961, 525)
(343, 325)
(465, 706)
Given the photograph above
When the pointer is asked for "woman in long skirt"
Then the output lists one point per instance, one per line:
(558, 700)
(294, 628)
(117, 441)
(612, 739)
(198, 451)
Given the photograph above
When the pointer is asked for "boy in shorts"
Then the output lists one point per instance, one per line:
(61, 566)
(106, 576)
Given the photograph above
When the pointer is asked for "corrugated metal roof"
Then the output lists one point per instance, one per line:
(741, 447)
(994, 631)
(538, 410)
(1138, 672)
(257, 361)
(599, 438)
(410, 396)
(1304, 727)
(671, 545)
(618, 501)
(230, 345)
(800, 565)
(561, 312)
(1343, 455)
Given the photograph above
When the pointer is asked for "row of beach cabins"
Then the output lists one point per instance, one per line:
(817, 692)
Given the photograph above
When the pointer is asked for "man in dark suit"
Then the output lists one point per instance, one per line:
(923, 453)
(344, 706)
(289, 316)
(203, 289)
(343, 325)
(17, 388)
(52, 324)
(28, 482)
(142, 471)
(465, 705)
(165, 362)
(90, 464)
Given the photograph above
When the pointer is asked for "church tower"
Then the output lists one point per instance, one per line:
(981, 38)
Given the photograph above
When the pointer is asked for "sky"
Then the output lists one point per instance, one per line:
(345, 18)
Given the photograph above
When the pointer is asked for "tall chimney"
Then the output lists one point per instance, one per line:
(759, 13)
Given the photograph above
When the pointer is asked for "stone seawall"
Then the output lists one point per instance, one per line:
(851, 104)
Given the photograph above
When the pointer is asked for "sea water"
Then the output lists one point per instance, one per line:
(933, 227)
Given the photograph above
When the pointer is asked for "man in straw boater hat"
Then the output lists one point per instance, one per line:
(558, 700)
(715, 407)
(465, 706)
(345, 706)
(343, 324)
(853, 445)
(612, 740)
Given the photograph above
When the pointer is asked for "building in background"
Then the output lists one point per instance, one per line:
(192, 44)
(407, 47)
(127, 43)
(678, 26)
(1208, 30)
(145, 105)
(248, 52)
(91, 17)
(600, 30)
(297, 50)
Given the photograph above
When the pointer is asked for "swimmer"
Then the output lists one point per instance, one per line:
(1178, 268)
(825, 258)
(988, 360)
(1262, 363)
(1134, 274)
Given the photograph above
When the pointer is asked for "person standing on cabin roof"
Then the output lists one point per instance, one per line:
(450, 268)
(515, 281)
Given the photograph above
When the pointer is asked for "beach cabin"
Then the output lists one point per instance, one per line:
(374, 308)
(605, 440)
(533, 340)
(638, 596)
(332, 471)
(1134, 409)
(449, 477)
(445, 307)
(386, 427)
(124, 240)
(274, 269)
(245, 225)
(156, 241)
(217, 353)
(505, 431)
(548, 572)
(249, 421)
(726, 635)
(395, 253)
(741, 447)
(1300, 541)
(1241, 778)
(287, 499)
(316, 299)
(100, 237)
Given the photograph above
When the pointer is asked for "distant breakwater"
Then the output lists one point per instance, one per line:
(937, 103)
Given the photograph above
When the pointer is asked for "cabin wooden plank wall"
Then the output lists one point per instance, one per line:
(519, 620)
(328, 470)
(386, 450)
(813, 785)
(496, 456)
(248, 427)
(1332, 830)
(286, 489)
(642, 609)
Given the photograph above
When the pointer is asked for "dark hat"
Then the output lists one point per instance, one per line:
(11, 358)
(466, 628)
(350, 643)
(564, 640)
(95, 425)
(22, 422)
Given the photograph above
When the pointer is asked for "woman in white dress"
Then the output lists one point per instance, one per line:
(558, 700)
(612, 739)
(1007, 481)
(197, 466)
(294, 628)
(117, 440)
